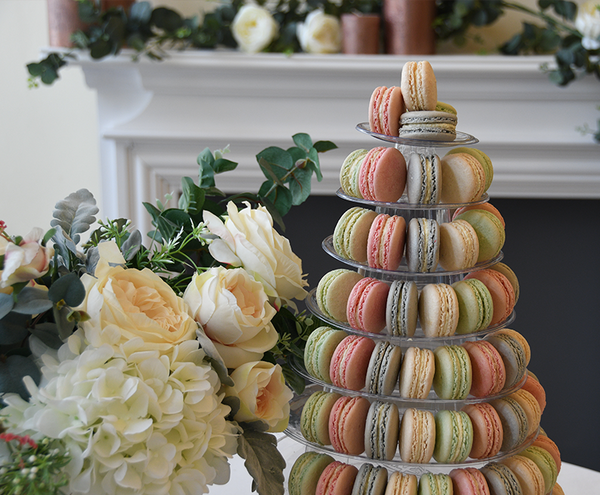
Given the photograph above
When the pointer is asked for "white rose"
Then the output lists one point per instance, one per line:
(320, 33)
(588, 23)
(25, 261)
(235, 313)
(253, 28)
(263, 395)
(248, 239)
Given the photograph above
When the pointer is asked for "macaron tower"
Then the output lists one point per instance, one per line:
(416, 382)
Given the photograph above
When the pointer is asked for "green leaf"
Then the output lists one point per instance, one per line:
(12, 372)
(280, 196)
(64, 324)
(48, 334)
(68, 289)
(214, 357)
(192, 197)
(275, 163)
(263, 461)
(87, 11)
(293, 379)
(206, 161)
(140, 12)
(323, 146)
(13, 328)
(75, 213)
(300, 185)
(6, 304)
(166, 19)
(234, 403)
(303, 141)
(132, 245)
(222, 165)
(100, 48)
(314, 164)
(32, 301)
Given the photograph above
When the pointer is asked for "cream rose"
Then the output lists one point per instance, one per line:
(248, 239)
(320, 33)
(263, 394)
(588, 23)
(235, 312)
(125, 304)
(253, 28)
(25, 261)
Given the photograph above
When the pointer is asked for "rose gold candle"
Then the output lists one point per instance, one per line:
(408, 26)
(360, 33)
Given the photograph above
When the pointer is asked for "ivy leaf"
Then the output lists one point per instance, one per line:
(12, 372)
(263, 461)
(32, 301)
(75, 213)
(6, 304)
(68, 289)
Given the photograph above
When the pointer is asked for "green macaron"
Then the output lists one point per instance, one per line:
(482, 158)
(320, 345)
(545, 462)
(453, 373)
(333, 291)
(351, 233)
(314, 420)
(435, 484)
(490, 232)
(475, 307)
(454, 437)
(305, 472)
(350, 171)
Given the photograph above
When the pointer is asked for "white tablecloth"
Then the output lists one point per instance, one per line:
(574, 480)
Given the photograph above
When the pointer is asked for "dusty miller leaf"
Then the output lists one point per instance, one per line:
(263, 461)
(75, 213)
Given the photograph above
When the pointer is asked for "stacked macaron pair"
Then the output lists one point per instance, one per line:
(378, 174)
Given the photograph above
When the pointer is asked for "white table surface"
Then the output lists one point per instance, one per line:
(574, 480)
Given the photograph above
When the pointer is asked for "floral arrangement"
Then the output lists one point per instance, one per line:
(127, 368)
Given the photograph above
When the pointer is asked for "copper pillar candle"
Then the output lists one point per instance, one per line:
(63, 20)
(408, 26)
(360, 33)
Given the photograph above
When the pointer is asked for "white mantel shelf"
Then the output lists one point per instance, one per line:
(156, 117)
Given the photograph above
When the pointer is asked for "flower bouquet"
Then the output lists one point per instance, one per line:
(130, 367)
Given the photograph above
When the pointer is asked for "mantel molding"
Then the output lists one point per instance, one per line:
(155, 117)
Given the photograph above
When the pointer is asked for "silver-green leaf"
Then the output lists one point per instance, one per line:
(76, 213)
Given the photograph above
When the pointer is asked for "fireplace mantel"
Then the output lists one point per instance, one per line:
(156, 117)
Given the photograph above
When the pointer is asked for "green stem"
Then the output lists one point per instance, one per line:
(541, 15)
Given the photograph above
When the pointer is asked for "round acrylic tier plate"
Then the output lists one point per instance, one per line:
(417, 340)
(433, 402)
(327, 245)
(461, 139)
(396, 464)
(403, 204)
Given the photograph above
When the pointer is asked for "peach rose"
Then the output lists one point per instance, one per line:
(235, 312)
(125, 304)
(263, 394)
(25, 261)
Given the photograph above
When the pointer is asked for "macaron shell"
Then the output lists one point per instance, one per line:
(314, 420)
(306, 471)
(513, 357)
(336, 479)
(401, 484)
(438, 310)
(469, 481)
(333, 292)
(484, 159)
(349, 362)
(475, 306)
(371, 480)
(481, 206)
(488, 372)
(514, 422)
(347, 425)
(548, 445)
(319, 349)
(419, 86)
(429, 125)
(520, 339)
(384, 367)
(424, 179)
(402, 308)
(416, 373)
(381, 431)
(463, 178)
(453, 375)
(487, 430)
(503, 295)
(383, 175)
(422, 245)
(417, 436)
(459, 245)
(367, 305)
(545, 463)
(531, 408)
(385, 244)
(535, 388)
(489, 230)
(350, 171)
(454, 437)
(501, 480)
(351, 233)
(435, 484)
(529, 475)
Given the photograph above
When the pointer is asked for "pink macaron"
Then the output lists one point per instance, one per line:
(488, 372)
(501, 290)
(350, 361)
(385, 244)
(382, 175)
(487, 430)
(367, 305)
(385, 107)
(469, 481)
(347, 422)
(336, 479)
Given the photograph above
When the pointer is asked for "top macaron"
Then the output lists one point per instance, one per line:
(419, 86)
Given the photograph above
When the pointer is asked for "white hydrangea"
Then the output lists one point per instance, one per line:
(134, 421)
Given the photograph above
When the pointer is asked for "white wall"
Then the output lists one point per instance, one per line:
(48, 135)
